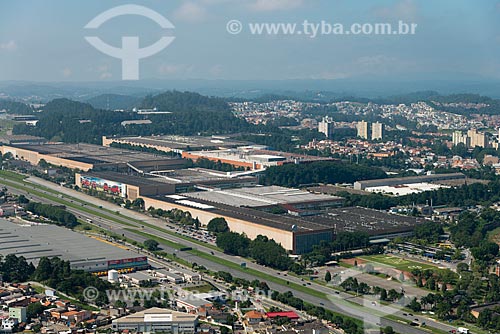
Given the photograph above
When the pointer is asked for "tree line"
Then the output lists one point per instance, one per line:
(471, 231)
(462, 196)
(55, 213)
(263, 250)
(55, 273)
(331, 172)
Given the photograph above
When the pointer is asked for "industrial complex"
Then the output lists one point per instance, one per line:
(269, 196)
(176, 144)
(397, 181)
(297, 230)
(400, 186)
(87, 156)
(134, 185)
(251, 157)
(296, 219)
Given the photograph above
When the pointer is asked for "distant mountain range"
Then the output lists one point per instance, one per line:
(123, 92)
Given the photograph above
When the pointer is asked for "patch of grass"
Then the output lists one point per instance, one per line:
(200, 288)
(156, 238)
(494, 236)
(397, 262)
(173, 258)
(6, 126)
(12, 175)
(83, 226)
(39, 289)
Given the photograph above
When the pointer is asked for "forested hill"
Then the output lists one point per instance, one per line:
(14, 107)
(175, 101)
(114, 101)
(71, 121)
(191, 113)
(70, 107)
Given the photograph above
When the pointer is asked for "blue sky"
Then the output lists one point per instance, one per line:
(44, 40)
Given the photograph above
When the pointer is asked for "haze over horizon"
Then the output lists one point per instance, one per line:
(454, 41)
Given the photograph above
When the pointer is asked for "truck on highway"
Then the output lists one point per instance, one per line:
(463, 330)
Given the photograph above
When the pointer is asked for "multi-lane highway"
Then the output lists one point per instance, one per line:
(126, 222)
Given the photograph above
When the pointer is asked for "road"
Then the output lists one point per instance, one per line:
(341, 302)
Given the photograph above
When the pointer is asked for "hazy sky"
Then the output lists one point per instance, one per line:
(44, 40)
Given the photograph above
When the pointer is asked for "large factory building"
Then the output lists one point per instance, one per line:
(305, 221)
(292, 233)
(132, 186)
(87, 156)
(83, 252)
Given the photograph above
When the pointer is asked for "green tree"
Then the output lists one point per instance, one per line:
(328, 277)
(269, 253)
(383, 294)
(218, 225)
(388, 330)
(233, 243)
(415, 305)
(151, 245)
(34, 310)
(22, 199)
(428, 231)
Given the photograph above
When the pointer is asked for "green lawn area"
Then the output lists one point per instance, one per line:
(83, 226)
(12, 175)
(5, 126)
(397, 262)
(158, 239)
(200, 288)
(494, 236)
